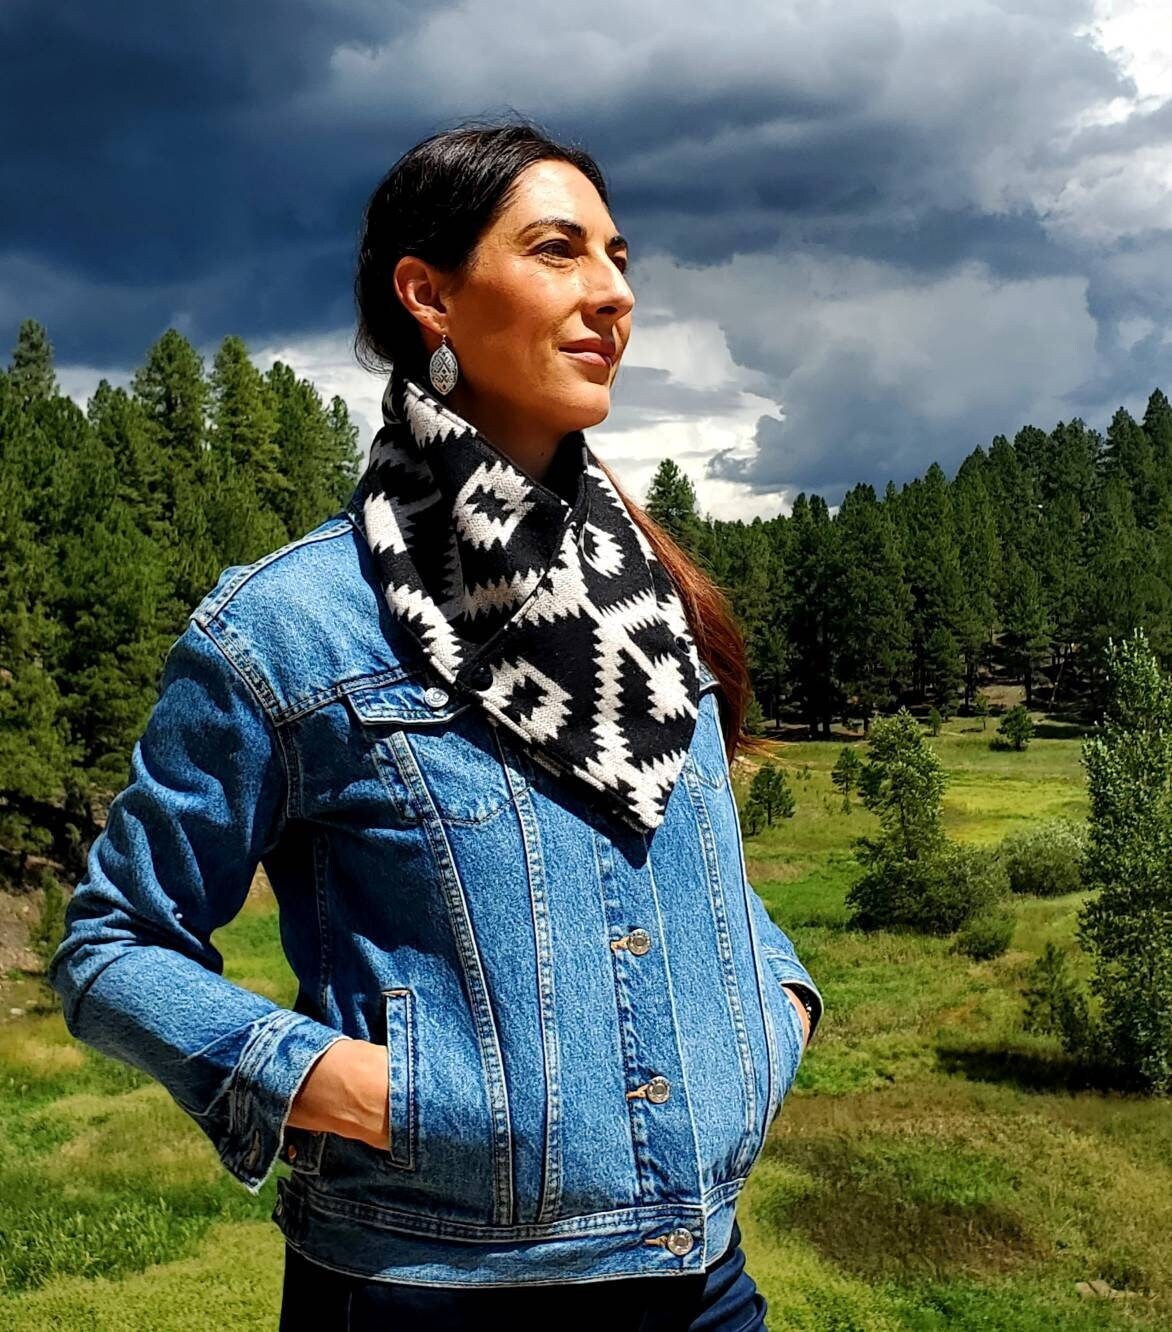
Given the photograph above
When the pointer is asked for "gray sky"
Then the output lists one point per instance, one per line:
(866, 234)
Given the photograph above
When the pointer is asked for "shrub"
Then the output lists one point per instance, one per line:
(1054, 1004)
(981, 708)
(845, 774)
(1016, 728)
(935, 894)
(935, 721)
(1045, 859)
(986, 935)
(752, 815)
(771, 791)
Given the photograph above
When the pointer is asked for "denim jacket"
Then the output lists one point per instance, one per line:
(586, 1031)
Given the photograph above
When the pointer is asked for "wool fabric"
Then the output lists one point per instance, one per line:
(542, 600)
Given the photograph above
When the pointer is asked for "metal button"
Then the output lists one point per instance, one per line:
(658, 1089)
(680, 1241)
(638, 941)
(435, 697)
(291, 1152)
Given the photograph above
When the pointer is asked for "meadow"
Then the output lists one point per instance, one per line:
(934, 1166)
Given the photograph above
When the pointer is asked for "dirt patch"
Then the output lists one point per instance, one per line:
(21, 989)
(18, 914)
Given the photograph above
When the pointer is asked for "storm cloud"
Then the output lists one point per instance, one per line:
(892, 230)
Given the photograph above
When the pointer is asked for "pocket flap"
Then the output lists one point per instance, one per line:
(414, 698)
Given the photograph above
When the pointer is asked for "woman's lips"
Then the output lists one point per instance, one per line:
(594, 358)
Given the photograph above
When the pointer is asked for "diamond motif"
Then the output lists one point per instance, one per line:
(443, 369)
(470, 550)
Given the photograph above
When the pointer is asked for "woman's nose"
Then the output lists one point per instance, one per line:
(612, 293)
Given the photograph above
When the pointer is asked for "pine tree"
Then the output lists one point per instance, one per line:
(343, 463)
(173, 395)
(753, 572)
(1129, 456)
(936, 584)
(870, 603)
(244, 422)
(770, 791)
(34, 755)
(1157, 426)
(811, 627)
(671, 501)
(1073, 465)
(1016, 504)
(31, 373)
(1062, 577)
(1025, 629)
(120, 423)
(1124, 586)
(980, 566)
(317, 451)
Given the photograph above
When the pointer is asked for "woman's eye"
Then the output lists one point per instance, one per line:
(620, 263)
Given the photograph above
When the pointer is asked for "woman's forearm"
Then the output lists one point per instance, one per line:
(345, 1092)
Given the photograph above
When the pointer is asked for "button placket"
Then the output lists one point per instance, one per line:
(648, 1037)
(658, 1088)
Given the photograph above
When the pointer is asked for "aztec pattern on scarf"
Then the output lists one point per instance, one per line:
(553, 613)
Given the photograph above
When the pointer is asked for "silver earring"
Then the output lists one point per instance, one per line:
(443, 368)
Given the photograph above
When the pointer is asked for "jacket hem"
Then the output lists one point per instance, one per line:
(376, 1243)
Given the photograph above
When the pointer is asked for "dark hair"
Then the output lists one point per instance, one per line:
(436, 202)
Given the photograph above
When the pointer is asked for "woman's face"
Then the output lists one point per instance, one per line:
(533, 287)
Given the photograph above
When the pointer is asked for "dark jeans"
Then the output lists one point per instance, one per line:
(722, 1298)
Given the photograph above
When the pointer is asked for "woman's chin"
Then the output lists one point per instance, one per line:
(591, 404)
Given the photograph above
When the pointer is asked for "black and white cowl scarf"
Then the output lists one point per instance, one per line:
(543, 600)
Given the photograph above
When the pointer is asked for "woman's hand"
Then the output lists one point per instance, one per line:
(801, 1007)
(346, 1092)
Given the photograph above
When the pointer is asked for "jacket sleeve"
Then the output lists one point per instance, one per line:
(136, 971)
(782, 957)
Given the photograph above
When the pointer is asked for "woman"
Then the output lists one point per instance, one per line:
(477, 727)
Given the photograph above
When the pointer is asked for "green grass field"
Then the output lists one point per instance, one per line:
(933, 1167)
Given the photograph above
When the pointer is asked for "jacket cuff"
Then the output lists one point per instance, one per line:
(247, 1121)
(789, 971)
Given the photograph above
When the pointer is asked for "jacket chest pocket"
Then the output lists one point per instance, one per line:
(435, 752)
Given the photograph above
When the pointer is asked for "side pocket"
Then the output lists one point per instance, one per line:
(401, 1054)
